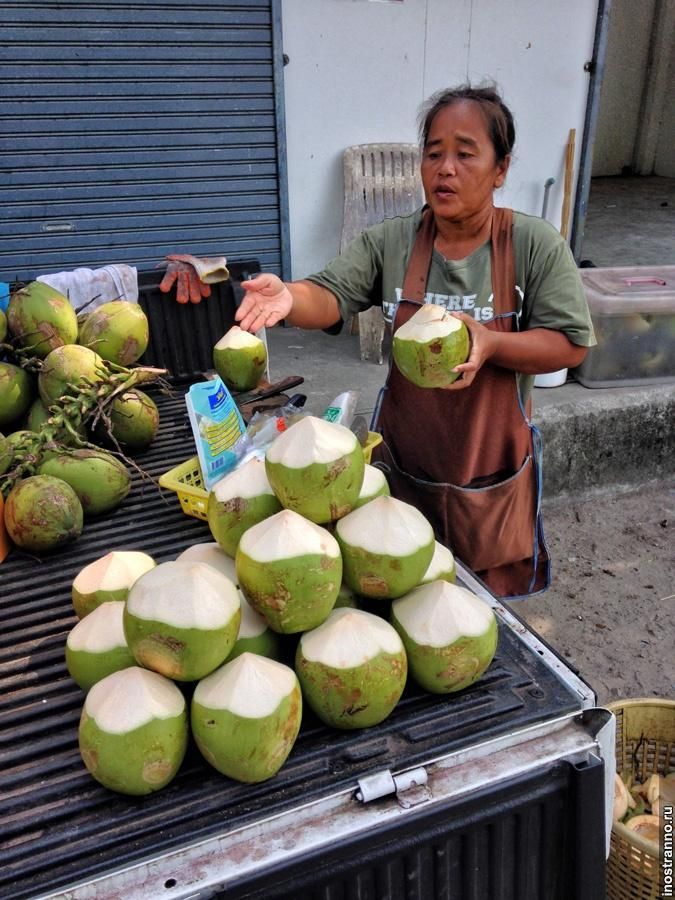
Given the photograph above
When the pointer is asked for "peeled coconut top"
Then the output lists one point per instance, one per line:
(286, 535)
(112, 572)
(429, 323)
(442, 561)
(212, 554)
(132, 697)
(185, 595)
(236, 339)
(246, 482)
(386, 526)
(311, 440)
(251, 686)
(439, 613)
(373, 481)
(100, 631)
(349, 638)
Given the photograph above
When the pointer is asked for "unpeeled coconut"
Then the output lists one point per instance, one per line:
(246, 716)
(65, 369)
(316, 469)
(108, 578)
(429, 345)
(118, 331)
(16, 393)
(374, 485)
(241, 499)
(181, 619)
(43, 513)
(240, 359)
(450, 635)
(352, 669)
(96, 646)
(290, 571)
(134, 419)
(133, 731)
(442, 566)
(386, 546)
(40, 319)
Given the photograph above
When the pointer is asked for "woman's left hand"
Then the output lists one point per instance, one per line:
(482, 347)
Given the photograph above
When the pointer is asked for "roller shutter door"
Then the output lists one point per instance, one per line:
(133, 130)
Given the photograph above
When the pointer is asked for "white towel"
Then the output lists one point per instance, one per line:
(114, 282)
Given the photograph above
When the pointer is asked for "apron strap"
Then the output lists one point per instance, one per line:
(417, 272)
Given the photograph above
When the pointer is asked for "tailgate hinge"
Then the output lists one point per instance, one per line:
(384, 784)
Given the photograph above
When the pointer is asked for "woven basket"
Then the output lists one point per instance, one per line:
(645, 745)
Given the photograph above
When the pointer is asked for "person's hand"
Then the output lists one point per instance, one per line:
(187, 281)
(267, 301)
(481, 349)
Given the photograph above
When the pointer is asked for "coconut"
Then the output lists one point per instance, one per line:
(3, 326)
(118, 331)
(374, 485)
(211, 554)
(647, 827)
(182, 619)
(450, 635)
(346, 597)
(316, 469)
(99, 480)
(429, 345)
(108, 578)
(246, 716)
(42, 513)
(442, 566)
(134, 419)
(96, 646)
(133, 731)
(16, 393)
(240, 358)
(290, 571)
(6, 454)
(255, 636)
(66, 367)
(41, 319)
(241, 499)
(352, 669)
(386, 546)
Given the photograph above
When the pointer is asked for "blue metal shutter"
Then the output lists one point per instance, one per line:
(133, 130)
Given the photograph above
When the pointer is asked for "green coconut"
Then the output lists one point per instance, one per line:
(352, 669)
(133, 731)
(65, 367)
(41, 319)
(100, 480)
(246, 716)
(3, 326)
(181, 619)
(42, 513)
(16, 393)
(118, 331)
(429, 345)
(213, 555)
(290, 571)
(255, 635)
(442, 566)
(6, 454)
(134, 419)
(316, 469)
(386, 546)
(96, 646)
(374, 485)
(240, 359)
(450, 635)
(241, 499)
(108, 578)
(346, 597)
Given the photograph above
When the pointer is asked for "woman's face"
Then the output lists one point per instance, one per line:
(459, 166)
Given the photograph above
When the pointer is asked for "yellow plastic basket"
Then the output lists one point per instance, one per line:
(186, 480)
(645, 745)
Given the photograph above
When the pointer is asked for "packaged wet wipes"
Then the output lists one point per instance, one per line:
(217, 426)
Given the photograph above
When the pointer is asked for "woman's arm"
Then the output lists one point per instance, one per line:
(268, 300)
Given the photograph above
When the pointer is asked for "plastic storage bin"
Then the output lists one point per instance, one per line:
(633, 312)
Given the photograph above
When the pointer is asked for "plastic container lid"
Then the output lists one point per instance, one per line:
(629, 289)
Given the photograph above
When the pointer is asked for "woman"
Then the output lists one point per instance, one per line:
(466, 455)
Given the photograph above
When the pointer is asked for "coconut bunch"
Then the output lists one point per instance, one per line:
(52, 396)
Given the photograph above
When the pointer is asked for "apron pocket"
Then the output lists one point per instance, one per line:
(485, 527)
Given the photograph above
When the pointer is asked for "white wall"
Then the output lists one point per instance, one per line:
(359, 70)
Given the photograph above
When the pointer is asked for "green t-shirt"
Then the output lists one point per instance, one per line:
(370, 273)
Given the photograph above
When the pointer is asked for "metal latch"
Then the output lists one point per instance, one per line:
(383, 784)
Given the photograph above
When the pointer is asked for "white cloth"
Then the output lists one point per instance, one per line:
(114, 282)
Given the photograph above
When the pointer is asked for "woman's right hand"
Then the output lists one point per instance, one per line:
(267, 301)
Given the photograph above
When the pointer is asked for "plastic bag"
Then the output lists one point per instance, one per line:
(264, 427)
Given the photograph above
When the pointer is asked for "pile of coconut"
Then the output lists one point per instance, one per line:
(70, 411)
(268, 616)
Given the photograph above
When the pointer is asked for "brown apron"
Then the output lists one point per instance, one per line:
(469, 460)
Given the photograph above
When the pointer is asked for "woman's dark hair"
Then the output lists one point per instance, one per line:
(497, 115)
